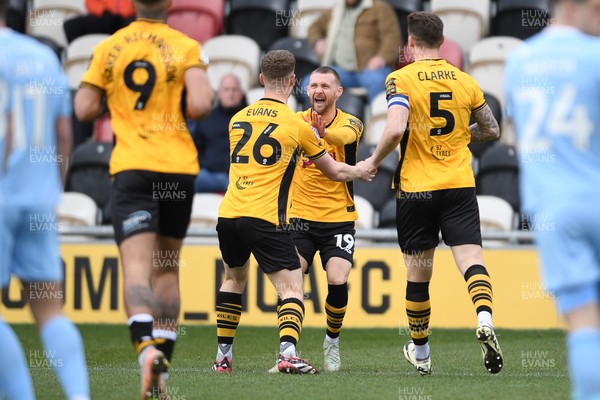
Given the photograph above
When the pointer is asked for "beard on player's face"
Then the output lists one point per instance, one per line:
(322, 100)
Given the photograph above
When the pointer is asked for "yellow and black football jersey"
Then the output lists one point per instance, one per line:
(266, 139)
(140, 69)
(434, 153)
(316, 197)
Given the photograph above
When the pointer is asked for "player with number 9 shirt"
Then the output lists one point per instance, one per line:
(145, 70)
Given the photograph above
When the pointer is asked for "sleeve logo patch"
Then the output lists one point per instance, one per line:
(390, 88)
(357, 123)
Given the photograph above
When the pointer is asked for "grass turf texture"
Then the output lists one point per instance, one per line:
(373, 366)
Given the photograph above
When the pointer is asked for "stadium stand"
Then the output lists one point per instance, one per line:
(265, 21)
(46, 18)
(366, 213)
(379, 191)
(376, 121)
(520, 18)
(498, 174)
(387, 216)
(465, 21)
(450, 51)
(352, 104)
(236, 54)
(200, 20)
(76, 209)
(495, 213)
(205, 210)
(257, 93)
(79, 54)
(403, 8)
(88, 174)
(304, 15)
(486, 63)
(307, 60)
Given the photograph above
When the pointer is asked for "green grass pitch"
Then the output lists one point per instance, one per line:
(372, 366)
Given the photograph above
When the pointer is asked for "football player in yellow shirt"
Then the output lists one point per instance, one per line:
(432, 101)
(145, 71)
(324, 211)
(266, 139)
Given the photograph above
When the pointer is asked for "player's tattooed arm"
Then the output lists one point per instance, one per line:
(485, 127)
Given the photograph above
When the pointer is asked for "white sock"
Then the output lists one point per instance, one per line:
(331, 340)
(484, 317)
(224, 350)
(422, 351)
(288, 349)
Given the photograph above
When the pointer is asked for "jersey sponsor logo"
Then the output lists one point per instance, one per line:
(243, 182)
(136, 221)
(438, 152)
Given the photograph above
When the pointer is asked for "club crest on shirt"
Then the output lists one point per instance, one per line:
(357, 123)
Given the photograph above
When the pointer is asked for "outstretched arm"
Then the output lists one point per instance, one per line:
(342, 172)
(397, 119)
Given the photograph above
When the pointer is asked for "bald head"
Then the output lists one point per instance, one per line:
(230, 93)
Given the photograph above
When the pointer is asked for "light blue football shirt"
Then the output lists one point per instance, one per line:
(553, 92)
(34, 91)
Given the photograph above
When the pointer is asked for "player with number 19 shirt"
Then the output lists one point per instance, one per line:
(144, 63)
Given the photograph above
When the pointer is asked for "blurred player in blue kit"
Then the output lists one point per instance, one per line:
(35, 141)
(553, 87)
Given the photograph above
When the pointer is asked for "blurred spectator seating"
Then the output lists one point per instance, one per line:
(305, 14)
(76, 209)
(486, 63)
(79, 54)
(465, 21)
(520, 18)
(403, 8)
(88, 174)
(200, 20)
(498, 174)
(265, 21)
(47, 17)
(235, 54)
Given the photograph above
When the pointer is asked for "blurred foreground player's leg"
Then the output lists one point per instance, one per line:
(552, 91)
